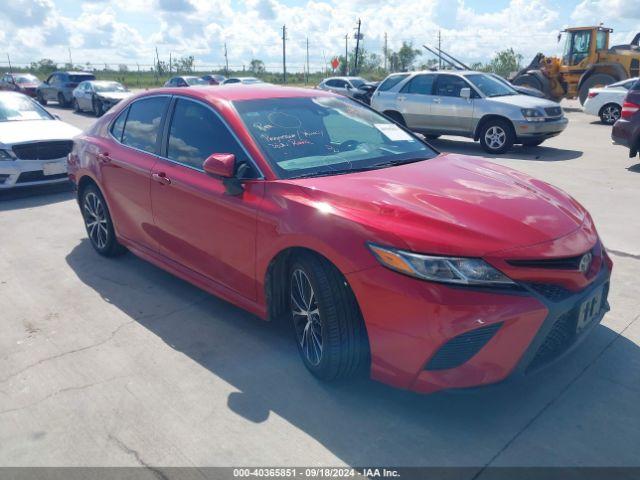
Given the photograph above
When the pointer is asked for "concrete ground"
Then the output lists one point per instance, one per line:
(117, 363)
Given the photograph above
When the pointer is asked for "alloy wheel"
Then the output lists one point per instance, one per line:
(95, 219)
(306, 317)
(611, 114)
(495, 137)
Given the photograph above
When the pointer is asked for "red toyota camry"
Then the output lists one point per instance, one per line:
(429, 271)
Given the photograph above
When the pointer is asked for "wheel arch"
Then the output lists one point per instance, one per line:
(488, 117)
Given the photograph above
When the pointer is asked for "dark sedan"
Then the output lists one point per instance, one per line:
(626, 131)
(213, 78)
(185, 81)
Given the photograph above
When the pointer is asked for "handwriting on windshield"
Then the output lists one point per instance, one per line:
(291, 140)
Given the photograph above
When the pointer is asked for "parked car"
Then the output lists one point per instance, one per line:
(427, 270)
(469, 104)
(626, 131)
(606, 102)
(59, 87)
(365, 91)
(242, 80)
(185, 81)
(33, 144)
(343, 85)
(213, 78)
(20, 82)
(98, 96)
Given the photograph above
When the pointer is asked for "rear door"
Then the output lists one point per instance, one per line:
(126, 165)
(197, 223)
(449, 111)
(48, 89)
(414, 102)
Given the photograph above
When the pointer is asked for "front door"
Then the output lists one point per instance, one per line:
(414, 102)
(197, 223)
(449, 111)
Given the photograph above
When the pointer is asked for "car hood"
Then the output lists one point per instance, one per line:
(115, 95)
(524, 101)
(35, 130)
(449, 205)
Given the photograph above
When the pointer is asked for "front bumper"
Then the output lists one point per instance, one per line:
(548, 129)
(25, 173)
(412, 323)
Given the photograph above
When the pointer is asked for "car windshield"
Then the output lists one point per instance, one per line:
(315, 136)
(80, 78)
(489, 86)
(109, 87)
(26, 79)
(195, 81)
(14, 108)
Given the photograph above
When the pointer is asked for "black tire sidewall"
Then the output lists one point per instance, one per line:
(61, 100)
(509, 136)
(590, 82)
(602, 112)
(112, 246)
(97, 108)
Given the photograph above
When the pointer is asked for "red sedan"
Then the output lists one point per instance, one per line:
(429, 271)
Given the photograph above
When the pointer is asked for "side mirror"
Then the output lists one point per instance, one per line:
(465, 93)
(220, 165)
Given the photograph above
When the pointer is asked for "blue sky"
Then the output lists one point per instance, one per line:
(128, 31)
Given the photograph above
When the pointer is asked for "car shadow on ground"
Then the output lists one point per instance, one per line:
(541, 153)
(556, 417)
(36, 196)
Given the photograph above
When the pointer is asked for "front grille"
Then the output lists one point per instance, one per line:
(555, 293)
(43, 150)
(553, 111)
(462, 348)
(569, 263)
(38, 176)
(558, 340)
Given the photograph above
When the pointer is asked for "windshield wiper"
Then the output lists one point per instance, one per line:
(344, 171)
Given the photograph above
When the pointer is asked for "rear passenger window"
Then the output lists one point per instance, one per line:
(143, 123)
(391, 82)
(196, 132)
(421, 84)
(118, 126)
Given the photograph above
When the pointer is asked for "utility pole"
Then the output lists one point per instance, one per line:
(346, 54)
(284, 54)
(70, 60)
(226, 60)
(9, 59)
(439, 49)
(307, 77)
(386, 52)
(358, 36)
(169, 63)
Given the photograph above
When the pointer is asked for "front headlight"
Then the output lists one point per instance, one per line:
(465, 271)
(532, 114)
(6, 155)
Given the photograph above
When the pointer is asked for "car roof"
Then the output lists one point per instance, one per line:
(74, 73)
(232, 93)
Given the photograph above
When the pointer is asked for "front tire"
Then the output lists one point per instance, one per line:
(41, 99)
(98, 223)
(327, 323)
(610, 113)
(496, 136)
(98, 108)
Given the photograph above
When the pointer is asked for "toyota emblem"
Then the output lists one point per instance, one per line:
(585, 262)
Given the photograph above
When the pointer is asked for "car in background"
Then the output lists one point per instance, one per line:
(346, 86)
(98, 96)
(426, 271)
(213, 78)
(242, 80)
(469, 104)
(365, 91)
(20, 82)
(606, 102)
(185, 81)
(33, 143)
(59, 87)
(626, 131)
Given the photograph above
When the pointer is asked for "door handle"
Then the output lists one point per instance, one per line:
(436, 100)
(103, 157)
(161, 178)
(401, 98)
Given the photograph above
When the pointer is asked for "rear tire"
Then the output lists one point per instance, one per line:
(595, 80)
(496, 136)
(327, 324)
(76, 107)
(98, 223)
(61, 100)
(610, 113)
(98, 108)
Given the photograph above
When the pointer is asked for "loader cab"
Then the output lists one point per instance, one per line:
(583, 43)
